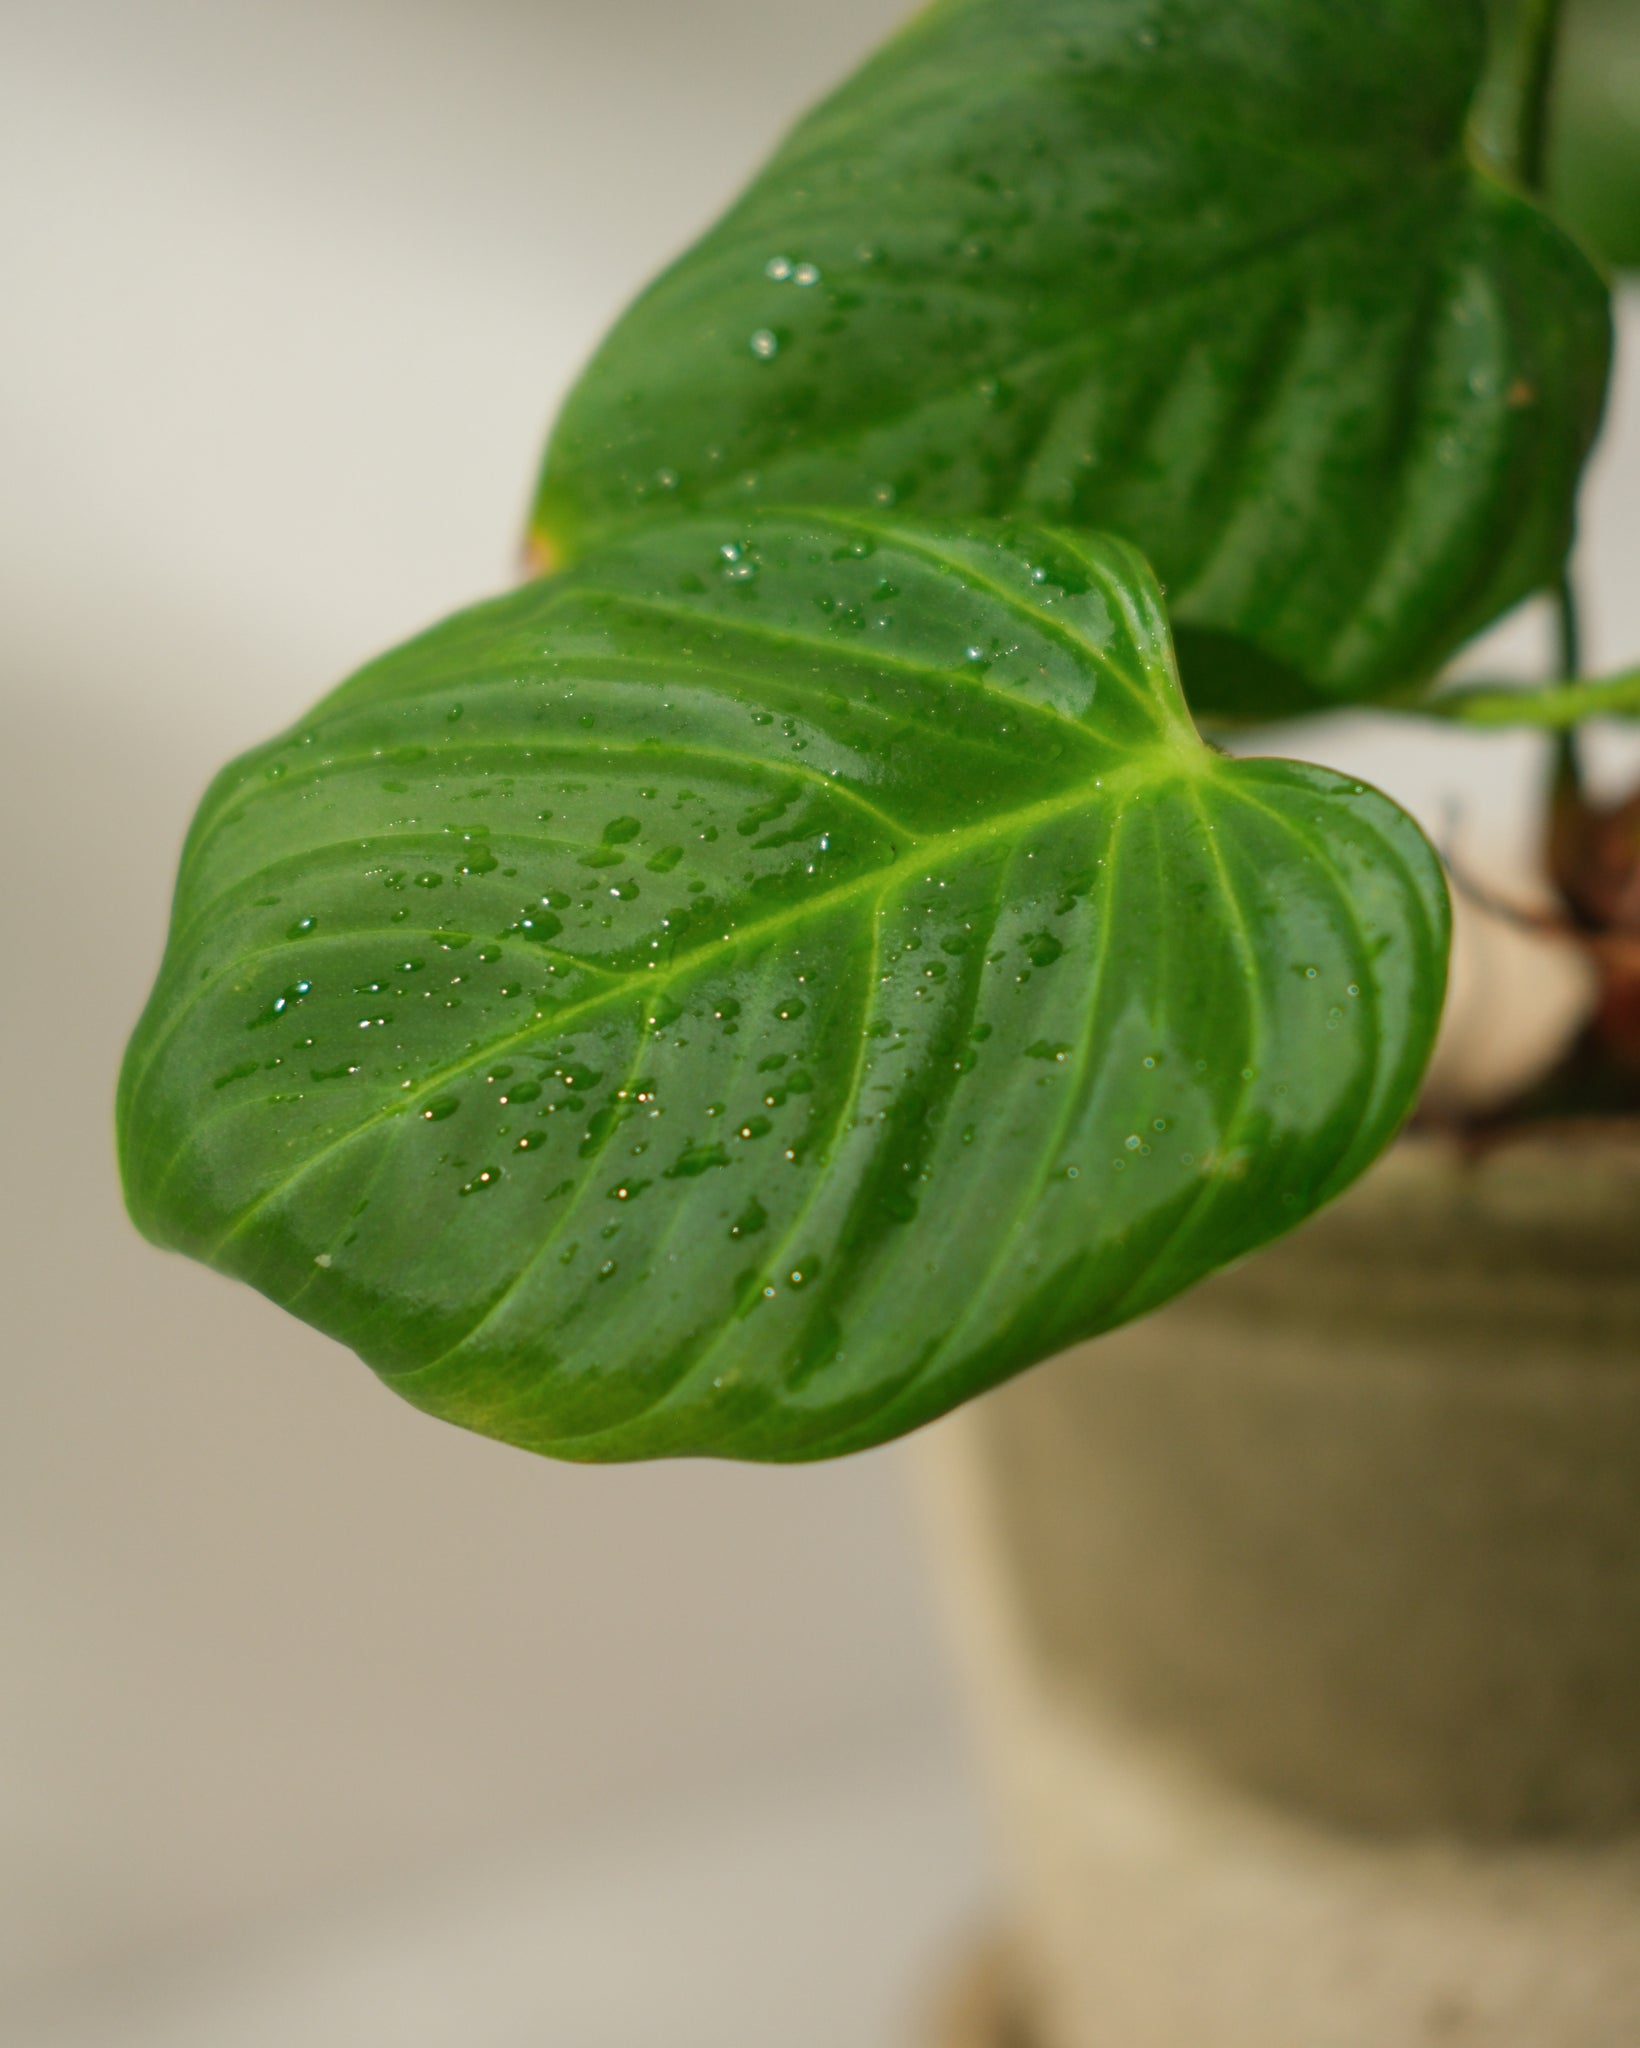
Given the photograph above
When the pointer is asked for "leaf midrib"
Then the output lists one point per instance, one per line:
(930, 854)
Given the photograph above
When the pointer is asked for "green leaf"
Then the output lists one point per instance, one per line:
(1216, 275)
(758, 989)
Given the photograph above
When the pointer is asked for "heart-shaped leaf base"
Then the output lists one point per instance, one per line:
(750, 993)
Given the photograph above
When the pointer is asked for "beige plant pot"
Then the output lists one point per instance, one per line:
(1303, 1621)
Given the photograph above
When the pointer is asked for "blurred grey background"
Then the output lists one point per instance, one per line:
(321, 1722)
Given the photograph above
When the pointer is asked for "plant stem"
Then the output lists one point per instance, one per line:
(1566, 766)
(1519, 112)
(1551, 707)
(1569, 630)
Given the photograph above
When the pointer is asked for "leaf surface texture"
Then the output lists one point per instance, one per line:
(755, 990)
(1219, 278)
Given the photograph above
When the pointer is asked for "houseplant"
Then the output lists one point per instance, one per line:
(797, 962)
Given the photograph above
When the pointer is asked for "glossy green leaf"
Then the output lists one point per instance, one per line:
(1216, 275)
(756, 990)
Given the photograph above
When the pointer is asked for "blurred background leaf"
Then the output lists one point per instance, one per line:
(1224, 285)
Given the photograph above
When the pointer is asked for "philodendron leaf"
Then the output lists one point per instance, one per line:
(1216, 275)
(756, 990)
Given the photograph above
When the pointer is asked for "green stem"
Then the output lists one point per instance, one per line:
(1566, 766)
(1519, 111)
(1553, 707)
(1567, 627)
